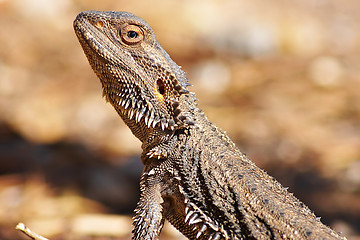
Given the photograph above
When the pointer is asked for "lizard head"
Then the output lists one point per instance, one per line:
(138, 77)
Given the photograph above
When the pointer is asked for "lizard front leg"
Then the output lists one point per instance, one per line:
(149, 220)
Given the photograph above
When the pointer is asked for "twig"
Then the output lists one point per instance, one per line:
(27, 231)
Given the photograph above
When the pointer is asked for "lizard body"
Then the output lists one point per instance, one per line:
(194, 175)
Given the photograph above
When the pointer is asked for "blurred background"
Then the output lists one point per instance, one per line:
(281, 77)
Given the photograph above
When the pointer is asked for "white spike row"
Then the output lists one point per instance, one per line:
(138, 116)
(213, 226)
(151, 172)
(150, 121)
(201, 231)
(127, 104)
(131, 113)
(188, 215)
(195, 219)
(215, 236)
(154, 123)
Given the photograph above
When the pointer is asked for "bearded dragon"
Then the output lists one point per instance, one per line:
(194, 175)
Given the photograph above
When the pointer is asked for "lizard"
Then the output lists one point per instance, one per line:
(194, 176)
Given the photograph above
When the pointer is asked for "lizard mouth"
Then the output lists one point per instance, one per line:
(90, 37)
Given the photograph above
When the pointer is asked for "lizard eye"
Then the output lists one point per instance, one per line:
(131, 34)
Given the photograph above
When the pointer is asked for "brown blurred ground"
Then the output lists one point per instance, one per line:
(282, 78)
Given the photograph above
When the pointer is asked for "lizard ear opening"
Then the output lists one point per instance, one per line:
(160, 86)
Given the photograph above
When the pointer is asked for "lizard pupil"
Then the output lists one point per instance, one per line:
(132, 34)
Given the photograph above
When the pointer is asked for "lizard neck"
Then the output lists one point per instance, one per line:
(186, 114)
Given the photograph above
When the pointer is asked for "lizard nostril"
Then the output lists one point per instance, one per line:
(161, 86)
(99, 23)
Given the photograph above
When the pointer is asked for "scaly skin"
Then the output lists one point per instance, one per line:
(194, 175)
